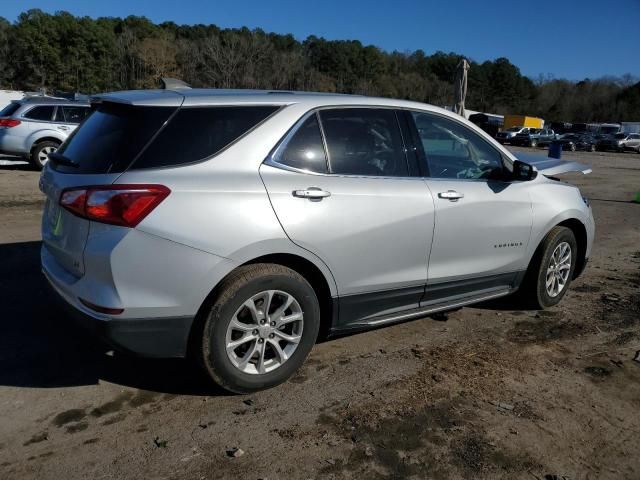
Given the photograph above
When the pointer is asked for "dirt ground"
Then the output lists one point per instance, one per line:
(494, 392)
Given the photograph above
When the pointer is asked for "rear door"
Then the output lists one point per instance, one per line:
(68, 117)
(356, 206)
(482, 220)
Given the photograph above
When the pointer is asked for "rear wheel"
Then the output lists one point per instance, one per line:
(40, 153)
(572, 147)
(260, 329)
(551, 269)
(592, 148)
(533, 144)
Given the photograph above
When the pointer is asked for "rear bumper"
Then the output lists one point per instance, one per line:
(12, 144)
(147, 337)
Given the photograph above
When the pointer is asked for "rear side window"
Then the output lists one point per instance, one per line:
(9, 109)
(111, 138)
(74, 114)
(196, 133)
(364, 141)
(305, 150)
(43, 113)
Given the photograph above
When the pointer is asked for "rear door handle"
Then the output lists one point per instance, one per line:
(313, 193)
(451, 195)
(63, 128)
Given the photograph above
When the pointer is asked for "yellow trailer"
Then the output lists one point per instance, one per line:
(522, 121)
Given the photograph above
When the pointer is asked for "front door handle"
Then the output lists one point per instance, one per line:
(63, 128)
(312, 193)
(451, 195)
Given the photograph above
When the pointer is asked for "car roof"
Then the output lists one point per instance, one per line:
(212, 96)
(48, 101)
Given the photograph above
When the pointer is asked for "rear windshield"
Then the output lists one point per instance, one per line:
(117, 137)
(9, 109)
(111, 137)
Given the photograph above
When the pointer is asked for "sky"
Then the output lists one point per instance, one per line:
(570, 39)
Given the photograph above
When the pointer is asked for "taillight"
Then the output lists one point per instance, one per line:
(9, 122)
(124, 205)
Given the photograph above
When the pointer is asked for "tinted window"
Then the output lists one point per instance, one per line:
(40, 113)
(304, 150)
(111, 137)
(9, 109)
(74, 114)
(59, 115)
(364, 141)
(455, 151)
(197, 133)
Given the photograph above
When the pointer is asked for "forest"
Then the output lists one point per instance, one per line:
(62, 52)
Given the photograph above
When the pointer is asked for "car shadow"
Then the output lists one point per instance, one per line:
(40, 347)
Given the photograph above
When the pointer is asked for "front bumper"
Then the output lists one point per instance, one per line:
(147, 337)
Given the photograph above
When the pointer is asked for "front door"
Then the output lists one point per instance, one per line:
(356, 207)
(483, 219)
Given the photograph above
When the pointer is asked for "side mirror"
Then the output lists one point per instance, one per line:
(523, 171)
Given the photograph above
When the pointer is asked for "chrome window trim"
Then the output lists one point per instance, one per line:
(270, 160)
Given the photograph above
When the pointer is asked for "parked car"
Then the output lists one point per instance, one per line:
(235, 227)
(506, 136)
(535, 138)
(578, 141)
(36, 126)
(620, 142)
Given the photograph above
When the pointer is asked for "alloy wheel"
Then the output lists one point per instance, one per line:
(264, 332)
(558, 269)
(43, 155)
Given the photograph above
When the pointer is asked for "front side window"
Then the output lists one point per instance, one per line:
(40, 113)
(364, 141)
(305, 150)
(453, 150)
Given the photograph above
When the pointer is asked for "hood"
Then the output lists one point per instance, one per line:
(552, 166)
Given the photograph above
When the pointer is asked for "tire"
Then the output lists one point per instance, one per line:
(40, 151)
(240, 370)
(534, 292)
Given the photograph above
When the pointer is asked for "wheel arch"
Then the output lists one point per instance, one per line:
(580, 233)
(305, 267)
(39, 140)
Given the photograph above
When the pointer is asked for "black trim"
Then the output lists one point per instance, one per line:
(147, 337)
(365, 306)
(357, 310)
(436, 293)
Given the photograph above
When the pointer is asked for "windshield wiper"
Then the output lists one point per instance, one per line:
(60, 159)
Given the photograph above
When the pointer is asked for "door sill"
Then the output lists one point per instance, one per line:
(423, 311)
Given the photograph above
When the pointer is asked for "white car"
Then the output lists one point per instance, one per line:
(36, 126)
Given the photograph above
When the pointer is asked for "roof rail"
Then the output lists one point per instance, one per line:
(173, 83)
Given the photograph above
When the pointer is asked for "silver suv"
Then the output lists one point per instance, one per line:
(238, 226)
(36, 126)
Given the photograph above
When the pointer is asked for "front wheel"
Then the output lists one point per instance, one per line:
(40, 153)
(263, 324)
(551, 269)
